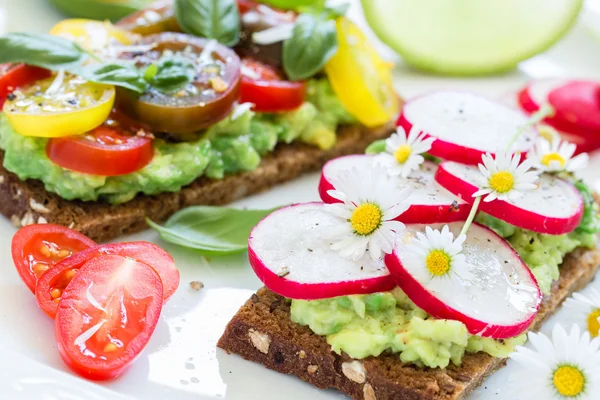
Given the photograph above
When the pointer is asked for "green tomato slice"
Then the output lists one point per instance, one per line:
(470, 37)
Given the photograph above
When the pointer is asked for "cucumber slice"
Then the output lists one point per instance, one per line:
(100, 9)
(470, 37)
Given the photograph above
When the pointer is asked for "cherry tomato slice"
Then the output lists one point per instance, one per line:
(36, 248)
(157, 18)
(107, 315)
(53, 282)
(13, 76)
(106, 151)
(263, 86)
(203, 102)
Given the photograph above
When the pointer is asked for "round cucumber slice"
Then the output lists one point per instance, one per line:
(469, 37)
(100, 9)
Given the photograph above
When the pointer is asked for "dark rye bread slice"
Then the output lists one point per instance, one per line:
(262, 331)
(28, 202)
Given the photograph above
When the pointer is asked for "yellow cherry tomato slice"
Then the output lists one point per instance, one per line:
(93, 35)
(63, 105)
(360, 78)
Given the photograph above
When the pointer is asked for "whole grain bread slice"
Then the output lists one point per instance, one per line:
(263, 332)
(28, 202)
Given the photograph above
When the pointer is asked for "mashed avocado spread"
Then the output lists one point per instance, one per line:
(232, 145)
(368, 325)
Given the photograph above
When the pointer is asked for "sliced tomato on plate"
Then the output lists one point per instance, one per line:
(107, 315)
(52, 283)
(263, 86)
(13, 76)
(106, 151)
(36, 248)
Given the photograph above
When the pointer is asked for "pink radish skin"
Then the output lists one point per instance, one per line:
(277, 242)
(438, 308)
(445, 206)
(509, 211)
(576, 104)
(492, 124)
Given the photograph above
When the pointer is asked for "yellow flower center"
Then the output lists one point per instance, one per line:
(438, 262)
(593, 324)
(568, 381)
(402, 153)
(548, 158)
(502, 182)
(366, 219)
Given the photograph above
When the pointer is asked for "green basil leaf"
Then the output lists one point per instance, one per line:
(313, 43)
(172, 73)
(295, 4)
(123, 75)
(210, 230)
(211, 19)
(44, 51)
(338, 10)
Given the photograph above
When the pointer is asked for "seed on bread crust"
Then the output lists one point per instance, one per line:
(16, 221)
(42, 220)
(38, 207)
(369, 393)
(312, 369)
(2, 179)
(354, 371)
(302, 354)
(260, 341)
(27, 219)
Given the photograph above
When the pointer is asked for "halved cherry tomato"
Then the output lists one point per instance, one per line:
(51, 285)
(107, 315)
(263, 86)
(13, 76)
(203, 102)
(157, 18)
(63, 105)
(36, 248)
(360, 78)
(93, 35)
(105, 151)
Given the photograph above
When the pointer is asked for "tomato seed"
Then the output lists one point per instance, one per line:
(110, 348)
(55, 293)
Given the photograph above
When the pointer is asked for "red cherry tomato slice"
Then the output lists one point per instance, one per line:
(36, 248)
(52, 283)
(107, 315)
(13, 76)
(106, 151)
(263, 86)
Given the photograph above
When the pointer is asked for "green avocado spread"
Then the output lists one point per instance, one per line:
(234, 144)
(368, 325)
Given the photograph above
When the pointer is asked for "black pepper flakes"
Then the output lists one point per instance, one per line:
(11, 96)
(255, 299)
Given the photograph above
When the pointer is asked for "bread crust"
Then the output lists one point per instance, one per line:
(263, 332)
(27, 202)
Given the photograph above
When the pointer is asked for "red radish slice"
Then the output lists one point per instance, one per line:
(554, 208)
(430, 203)
(291, 258)
(576, 104)
(466, 125)
(500, 299)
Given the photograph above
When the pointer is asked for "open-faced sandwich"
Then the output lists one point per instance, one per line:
(428, 259)
(187, 102)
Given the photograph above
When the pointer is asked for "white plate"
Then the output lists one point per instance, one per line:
(181, 361)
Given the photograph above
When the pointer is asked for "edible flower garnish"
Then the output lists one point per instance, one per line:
(439, 256)
(557, 156)
(504, 177)
(371, 202)
(584, 311)
(566, 367)
(403, 152)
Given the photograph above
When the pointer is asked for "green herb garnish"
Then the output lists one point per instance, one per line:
(212, 231)
(211, 19)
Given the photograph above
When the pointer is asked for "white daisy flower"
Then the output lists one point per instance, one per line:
(403, 152)
(557, 156)
(584, 311)
(371, 202)
(436, 258)
(504, 178)
(564, 368)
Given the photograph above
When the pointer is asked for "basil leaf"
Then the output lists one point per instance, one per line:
(338, 10)
(210, 230)
(313, 43)
(211, 19)
(295, 4)
(44, 51)
(171, 74)
(125, 75)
